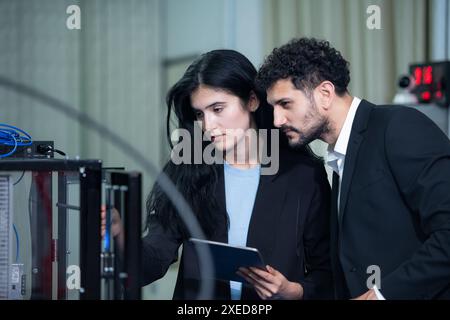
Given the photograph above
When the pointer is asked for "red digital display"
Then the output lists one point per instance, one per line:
(431, 82)
(426, 96)
(418, 75)
(423, 75)
(427, 75)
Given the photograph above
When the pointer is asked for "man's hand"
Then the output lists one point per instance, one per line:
(271, 284)
(369, 295)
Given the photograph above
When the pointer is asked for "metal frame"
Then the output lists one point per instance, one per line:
(130, 264)
(90, 238)
(41, 223)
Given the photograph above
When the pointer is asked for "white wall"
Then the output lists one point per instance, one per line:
(440, 35)
(196, 26)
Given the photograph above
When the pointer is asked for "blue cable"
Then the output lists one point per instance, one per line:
(13, 136)
(107, 238)
(17, 242)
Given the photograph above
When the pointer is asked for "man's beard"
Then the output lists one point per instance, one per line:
(316, 132)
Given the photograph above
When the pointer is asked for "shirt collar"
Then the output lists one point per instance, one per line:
(339, 149)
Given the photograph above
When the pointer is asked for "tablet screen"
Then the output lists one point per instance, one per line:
(227, 259)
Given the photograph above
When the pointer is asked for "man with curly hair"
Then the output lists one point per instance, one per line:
(390, 221)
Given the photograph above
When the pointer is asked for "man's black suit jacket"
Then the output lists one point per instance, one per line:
(394, 206)
(289, 226)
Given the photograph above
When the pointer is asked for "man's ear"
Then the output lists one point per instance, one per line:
(253, 102)
(324, 94)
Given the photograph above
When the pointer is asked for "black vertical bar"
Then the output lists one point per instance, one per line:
(62, 236)
(118, 255)
(90, 202)
(427, 30)
(133, 232)
(40, 210)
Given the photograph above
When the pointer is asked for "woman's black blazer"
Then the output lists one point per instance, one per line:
(289, 226)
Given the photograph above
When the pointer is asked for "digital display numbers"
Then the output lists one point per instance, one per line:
(431, 82)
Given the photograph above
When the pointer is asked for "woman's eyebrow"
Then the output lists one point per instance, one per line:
(215, 104)
(210, 105)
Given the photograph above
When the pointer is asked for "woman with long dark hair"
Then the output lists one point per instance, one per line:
(284, 215)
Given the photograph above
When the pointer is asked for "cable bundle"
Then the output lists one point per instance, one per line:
(13, 137)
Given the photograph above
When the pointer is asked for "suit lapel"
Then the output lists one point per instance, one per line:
(269, 201)
(334, 209)
(266, 210)
(334, 227)
(359, 125)
(222, 235)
